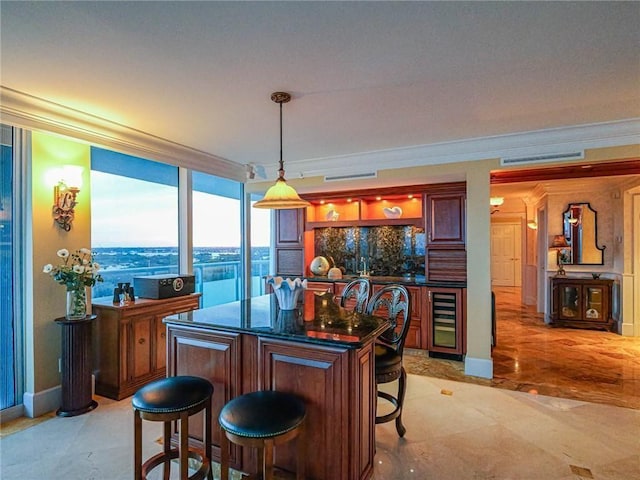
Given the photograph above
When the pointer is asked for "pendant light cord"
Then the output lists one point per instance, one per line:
(281, 171)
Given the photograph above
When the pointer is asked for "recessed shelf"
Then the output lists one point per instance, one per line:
(366, 212)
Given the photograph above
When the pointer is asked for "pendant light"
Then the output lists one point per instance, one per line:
(281, 195)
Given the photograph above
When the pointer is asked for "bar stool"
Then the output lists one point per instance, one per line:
(394, 303)
(263, 419)
(167, 400)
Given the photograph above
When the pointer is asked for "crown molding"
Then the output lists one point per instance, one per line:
(27, 111)
(538, 142)
(34, 113)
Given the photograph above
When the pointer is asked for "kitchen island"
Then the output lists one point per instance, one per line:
(320, 351)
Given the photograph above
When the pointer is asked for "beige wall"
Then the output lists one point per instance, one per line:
(42, 335)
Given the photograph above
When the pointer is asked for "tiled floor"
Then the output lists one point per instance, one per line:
(530, 356)
(455, 429)
(589, 365)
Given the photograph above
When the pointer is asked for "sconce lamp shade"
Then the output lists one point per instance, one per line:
(559, 242)
(496, 201)
(532, 224)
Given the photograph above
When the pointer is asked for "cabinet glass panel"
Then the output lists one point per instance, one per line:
(593, 303)
(569, 302)
(444, 319)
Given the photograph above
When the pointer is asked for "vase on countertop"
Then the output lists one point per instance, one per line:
(287, 291)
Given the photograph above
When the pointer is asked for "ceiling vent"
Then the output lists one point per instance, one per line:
(549, 157)
(353, 176)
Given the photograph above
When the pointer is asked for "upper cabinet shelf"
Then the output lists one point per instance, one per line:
(366, 211)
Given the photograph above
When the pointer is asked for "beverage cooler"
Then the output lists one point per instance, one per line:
(445, 315)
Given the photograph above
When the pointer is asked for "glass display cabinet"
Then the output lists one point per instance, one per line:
(581, 302)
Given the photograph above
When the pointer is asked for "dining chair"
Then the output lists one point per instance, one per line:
(394, 303)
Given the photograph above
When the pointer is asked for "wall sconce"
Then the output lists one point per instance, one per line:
(64, 195)
(495, 202)
(558, 244)
(532, 224)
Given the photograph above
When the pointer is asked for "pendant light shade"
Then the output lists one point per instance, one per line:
(281, 195)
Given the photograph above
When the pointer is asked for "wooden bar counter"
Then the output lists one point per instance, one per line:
(319, 351)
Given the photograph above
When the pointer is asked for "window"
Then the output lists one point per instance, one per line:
(8, 360)
(134, 218)
(217, 238)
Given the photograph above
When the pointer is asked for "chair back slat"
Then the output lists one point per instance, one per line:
(394, 303)
(359, 290)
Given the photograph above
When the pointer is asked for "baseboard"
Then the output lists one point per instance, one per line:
(627, 329)
(36, 404)
(11, 413)
(478, 367)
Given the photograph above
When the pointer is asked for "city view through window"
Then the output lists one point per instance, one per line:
(134, 204)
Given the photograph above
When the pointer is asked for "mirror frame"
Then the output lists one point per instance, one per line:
(570, 230)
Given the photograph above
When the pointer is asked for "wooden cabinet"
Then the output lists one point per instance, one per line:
(581, 302)
(336, 383)
(446, 255)
(289, 227)
(289, 241)
(129, 342)
(446, 322)
(445, 214)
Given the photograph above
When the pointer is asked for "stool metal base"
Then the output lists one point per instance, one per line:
(166, 457)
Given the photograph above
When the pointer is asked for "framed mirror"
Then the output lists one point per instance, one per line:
(581, 231)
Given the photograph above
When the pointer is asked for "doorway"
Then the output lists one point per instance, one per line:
(506, 254)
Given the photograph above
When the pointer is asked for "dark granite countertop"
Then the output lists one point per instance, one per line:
(417, 280)
(318, 319)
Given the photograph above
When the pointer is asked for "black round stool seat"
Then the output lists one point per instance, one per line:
(262, 414)
(263, 420)
(172, 394)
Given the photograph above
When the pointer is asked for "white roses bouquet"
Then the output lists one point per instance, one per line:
(78, 270)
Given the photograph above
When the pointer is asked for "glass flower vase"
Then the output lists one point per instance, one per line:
(76, 304)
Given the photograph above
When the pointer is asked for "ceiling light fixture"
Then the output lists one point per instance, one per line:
(281, 195)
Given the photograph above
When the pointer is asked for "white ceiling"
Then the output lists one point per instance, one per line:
(365, 76)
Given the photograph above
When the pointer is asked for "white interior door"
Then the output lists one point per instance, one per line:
(506, 255)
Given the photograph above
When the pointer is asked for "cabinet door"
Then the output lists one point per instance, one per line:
(444, 307)
(317, 374)
(141, 338)
(289, 261)
(569, 302)
(445, 219)
(215, 356)
(290, 227)
(595, 303)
